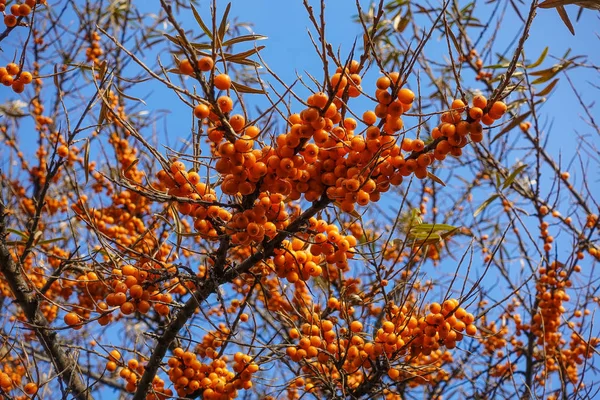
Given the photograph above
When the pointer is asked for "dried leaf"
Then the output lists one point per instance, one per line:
(435, 178)
(516, 121)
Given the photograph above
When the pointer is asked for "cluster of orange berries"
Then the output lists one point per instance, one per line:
(347, 80)
(132, 371)
(263, 220)
(133, 291)
(403, 333)
(204, 64)
(94, 51)
(189, 375)
(9, 76)
(453, 129)
(442, 326)
(18, 10)
(180, 183)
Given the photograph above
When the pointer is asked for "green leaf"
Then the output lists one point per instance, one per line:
(223, 24)
(18, 233)
(129, 97)
(432, 227)
(485, 204)
(511, 178)
(86, 160)
(176, 39)
(244, 38)
(48, 241)
(548, 88)
(201, 23)
(540, 59)
(516, 121)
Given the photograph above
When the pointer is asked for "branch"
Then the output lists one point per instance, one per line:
(29, 301)
(209, 286)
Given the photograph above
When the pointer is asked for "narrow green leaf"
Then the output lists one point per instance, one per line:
(86, 160)
(454, 41)
(548, 88)
(18, 233)
(540, 59)
(129, 97)
(244, 38)
(223, 24)
(485, 204)
(48, 241)
(515, 122)
(432, 227)
(176, 39)
(511, 178)
(201, 23)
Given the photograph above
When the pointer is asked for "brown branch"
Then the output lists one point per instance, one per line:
(29, 301)
(209, 286)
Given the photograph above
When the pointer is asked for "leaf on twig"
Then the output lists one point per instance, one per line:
(484, 205)
(511, 178)
(516, 121)
(435, 178)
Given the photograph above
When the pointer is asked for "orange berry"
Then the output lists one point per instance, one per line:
(30, 388)
(201, 111)
(10, 21)
(225, 103)
(383, 83)
(497, 110)
(222, 82)
(406, 96)
(356, 326)
(479, 101)
(12, 69)
(72, 319)
(63, 151)
(185, 67)
(205, 64)
(26, 77)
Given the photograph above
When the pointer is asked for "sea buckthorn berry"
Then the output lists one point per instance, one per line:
(201, 111)
(205, 64)
(10, 21)
(185, 67)
(356, 326)
(30, 388)
(497, 110)
(12, 69)
(222, 82)
(475, 113)
(479, 101)
(225, 103)
(72, 319)
(26, 77)
(383, 83)
(63, 151)
(406, 96)
(458, 105)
